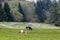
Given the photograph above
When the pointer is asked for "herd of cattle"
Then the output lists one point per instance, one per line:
(25, 30)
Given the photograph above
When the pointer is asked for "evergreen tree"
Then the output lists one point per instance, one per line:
(20, 9)
(7, 11)
(39, 11)
(46, 4)
(2, 14)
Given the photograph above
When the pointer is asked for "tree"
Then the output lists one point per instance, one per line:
(39, 11)
(55, 15)
(46, 4)
(7, 11)
(16, 15)
(20, 9)
(2, 14)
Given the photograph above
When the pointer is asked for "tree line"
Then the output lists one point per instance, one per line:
(5, 14)
(44, 11)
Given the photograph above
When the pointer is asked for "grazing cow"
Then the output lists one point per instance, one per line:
(28, 28)
(23, 31)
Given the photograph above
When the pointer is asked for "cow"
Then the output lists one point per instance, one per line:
(22, 31)
(28, 28)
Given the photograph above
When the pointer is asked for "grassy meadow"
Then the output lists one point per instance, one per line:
(35, 34)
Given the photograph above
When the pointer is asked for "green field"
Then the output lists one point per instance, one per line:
(35, 34)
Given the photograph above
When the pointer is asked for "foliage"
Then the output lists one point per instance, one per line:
(20, 9)
(54, 13)
(15, 10)
(2, 14)
(16, 15)
(46, 4)
(7, 11)
(29, 13)
(39, 11)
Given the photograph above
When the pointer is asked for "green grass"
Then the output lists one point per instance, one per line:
(35, 34)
